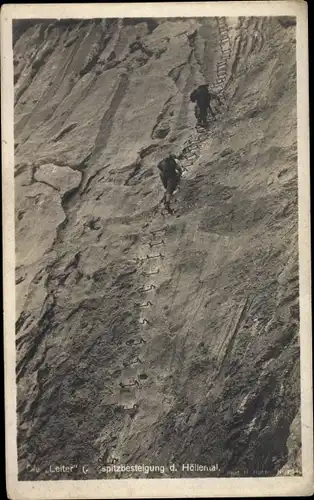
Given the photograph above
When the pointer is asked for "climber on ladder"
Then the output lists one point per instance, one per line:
(170, 173)
(202, 97)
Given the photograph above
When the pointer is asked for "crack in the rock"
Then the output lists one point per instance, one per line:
(107, 120)
(175, 73)
(162, 113)
(47, 184)
(92, 177)
(148, 150)
(42, 325)
(64, 131)
(136, 168)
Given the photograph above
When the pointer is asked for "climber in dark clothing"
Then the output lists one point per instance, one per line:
(170, 174)
(202, 97)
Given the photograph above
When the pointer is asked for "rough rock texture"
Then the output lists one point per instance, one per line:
(141, 337)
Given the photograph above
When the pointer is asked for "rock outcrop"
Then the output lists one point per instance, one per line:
(141, 337)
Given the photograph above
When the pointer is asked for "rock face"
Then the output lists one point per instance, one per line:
(142, 337)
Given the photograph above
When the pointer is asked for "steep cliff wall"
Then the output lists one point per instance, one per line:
(143, 337)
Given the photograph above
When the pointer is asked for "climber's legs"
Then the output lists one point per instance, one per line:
(164, 180)
(202, 116)
(172, 183)
(211, 111)
(197, 112)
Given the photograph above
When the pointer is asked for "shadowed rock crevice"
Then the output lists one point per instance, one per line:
(107, 120)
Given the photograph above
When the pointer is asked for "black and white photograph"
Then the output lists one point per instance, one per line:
(155, 183)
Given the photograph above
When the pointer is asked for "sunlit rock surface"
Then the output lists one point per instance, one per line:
(141, 337)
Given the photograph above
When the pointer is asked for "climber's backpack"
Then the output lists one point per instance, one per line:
(171, 164)
(193, 95)
(167, 166)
